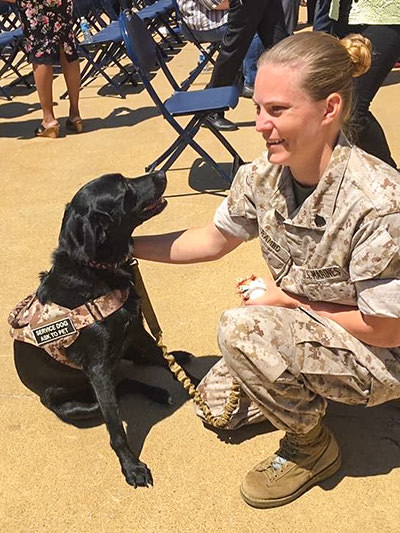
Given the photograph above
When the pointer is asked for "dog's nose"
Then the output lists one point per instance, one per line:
(160, 174)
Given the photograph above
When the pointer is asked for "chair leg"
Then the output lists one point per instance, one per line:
(5, 93)
(225, 142)
(186, 139)
(174, 146)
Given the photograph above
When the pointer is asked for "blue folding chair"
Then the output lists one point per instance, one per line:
(198, 105)
(9, 19)
(107, 49)
(207, 50)
(12, 57)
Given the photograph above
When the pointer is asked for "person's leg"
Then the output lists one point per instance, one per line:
(289, 364)
(311, 11)
(322, 21)
(271, 24)
(256, 48)
(242, 25)
(71, 72)
(243, 20)
(215, 390)
(43, 75)
(385, 52)
(291, 13)
(205, 36)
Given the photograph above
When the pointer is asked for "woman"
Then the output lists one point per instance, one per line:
(50, 40)
(327, 216)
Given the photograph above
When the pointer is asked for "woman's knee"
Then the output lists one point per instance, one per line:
(249, 329)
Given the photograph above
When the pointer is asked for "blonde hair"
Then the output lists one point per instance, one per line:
(327, 64)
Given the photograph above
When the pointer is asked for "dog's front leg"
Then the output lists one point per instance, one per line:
(136, 473)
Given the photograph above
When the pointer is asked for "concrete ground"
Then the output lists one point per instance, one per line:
(58, 478)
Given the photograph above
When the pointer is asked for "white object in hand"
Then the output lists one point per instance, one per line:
(251, 288)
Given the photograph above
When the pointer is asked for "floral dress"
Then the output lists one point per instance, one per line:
(47, 26)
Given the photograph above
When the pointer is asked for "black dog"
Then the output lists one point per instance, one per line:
(92, 259)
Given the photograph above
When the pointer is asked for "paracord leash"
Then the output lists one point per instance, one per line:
(219, 421)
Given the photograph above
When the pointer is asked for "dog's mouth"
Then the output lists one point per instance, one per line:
(154, 208)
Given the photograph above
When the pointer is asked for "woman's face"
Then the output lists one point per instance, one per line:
(289, 121)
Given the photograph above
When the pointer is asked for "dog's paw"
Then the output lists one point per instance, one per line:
(138, 475)
(181, 356)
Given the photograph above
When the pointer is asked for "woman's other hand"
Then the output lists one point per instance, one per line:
(273, 296)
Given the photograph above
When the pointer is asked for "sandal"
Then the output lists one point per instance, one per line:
(74, 125)
(51, 132)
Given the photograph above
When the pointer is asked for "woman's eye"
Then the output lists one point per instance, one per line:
(276, 110)
(257, 109)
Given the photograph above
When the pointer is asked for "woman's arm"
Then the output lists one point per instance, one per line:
(194, 245)
(377, 331)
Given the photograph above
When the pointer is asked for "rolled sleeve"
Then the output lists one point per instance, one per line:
(375, 267)
(241, 227)
(237, 215)
(379, 297)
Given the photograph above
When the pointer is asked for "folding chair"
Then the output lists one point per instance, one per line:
(12, 56)
(206, 52)
(107, 49)
(144, 53)
(9, 19)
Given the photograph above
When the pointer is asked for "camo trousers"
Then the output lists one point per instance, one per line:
(288, 362)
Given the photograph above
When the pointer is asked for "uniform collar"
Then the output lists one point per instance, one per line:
(319, 206)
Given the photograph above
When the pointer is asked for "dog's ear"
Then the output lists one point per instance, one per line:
(130, 201)
(95, 231)
(81, 235)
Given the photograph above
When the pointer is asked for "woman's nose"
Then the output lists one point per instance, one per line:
(263, 123)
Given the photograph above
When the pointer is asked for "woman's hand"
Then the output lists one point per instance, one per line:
(273, 296)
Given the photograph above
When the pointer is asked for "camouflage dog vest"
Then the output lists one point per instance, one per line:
(54, 328)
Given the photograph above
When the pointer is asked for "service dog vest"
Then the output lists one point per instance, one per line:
(54, 328)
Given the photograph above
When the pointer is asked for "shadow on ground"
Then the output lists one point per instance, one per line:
(119, 118)
(369, 439)
(203, 178)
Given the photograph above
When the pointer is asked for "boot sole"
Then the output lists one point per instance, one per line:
(321, 476)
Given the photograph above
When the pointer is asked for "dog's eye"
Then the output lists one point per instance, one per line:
(129, 200)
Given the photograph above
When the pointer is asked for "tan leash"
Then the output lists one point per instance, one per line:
(220, 421)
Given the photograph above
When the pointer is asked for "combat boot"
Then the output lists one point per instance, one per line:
(301, 462)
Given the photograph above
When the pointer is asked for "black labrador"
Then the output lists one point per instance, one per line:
(92, 259)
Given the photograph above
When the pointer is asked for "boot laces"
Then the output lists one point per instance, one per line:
(275, 464)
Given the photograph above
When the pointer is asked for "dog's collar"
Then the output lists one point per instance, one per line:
(127, 259)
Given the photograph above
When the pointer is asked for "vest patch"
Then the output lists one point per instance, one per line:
(53, 331)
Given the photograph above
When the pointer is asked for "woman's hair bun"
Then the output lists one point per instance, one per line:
(359, 50)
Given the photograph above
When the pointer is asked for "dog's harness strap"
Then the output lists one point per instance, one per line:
(54, 328)
(99, 309)
(220, 421)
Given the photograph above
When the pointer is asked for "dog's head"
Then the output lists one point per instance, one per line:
(99, 220)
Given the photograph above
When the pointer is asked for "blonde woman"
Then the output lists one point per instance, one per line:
(49, 41)
(327, 216)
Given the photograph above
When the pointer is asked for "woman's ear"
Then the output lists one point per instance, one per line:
(333, 108)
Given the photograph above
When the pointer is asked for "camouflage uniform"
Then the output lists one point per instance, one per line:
(341, 245)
